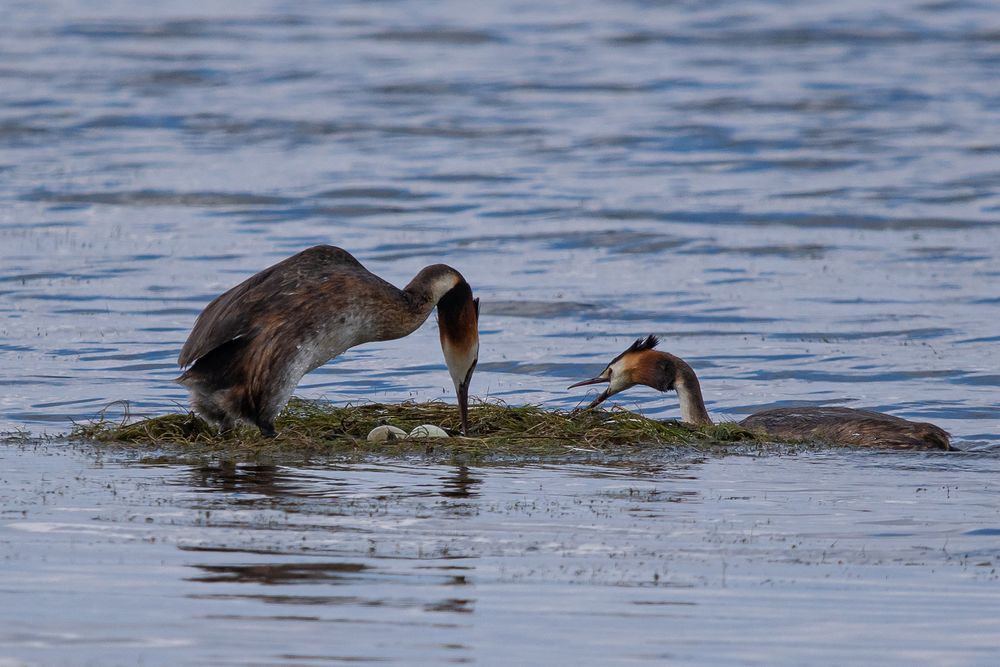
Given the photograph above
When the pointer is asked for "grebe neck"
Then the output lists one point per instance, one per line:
(689, 395)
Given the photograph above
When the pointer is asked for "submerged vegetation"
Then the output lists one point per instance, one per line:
(495, 429)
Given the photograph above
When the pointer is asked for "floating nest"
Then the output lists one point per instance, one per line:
(495, 429)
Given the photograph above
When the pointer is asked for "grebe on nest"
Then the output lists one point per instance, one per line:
(641, 364)
(250, 346)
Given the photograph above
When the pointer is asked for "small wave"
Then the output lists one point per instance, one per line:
(443, 36)
(157, 198)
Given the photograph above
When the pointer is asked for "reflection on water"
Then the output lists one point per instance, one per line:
(460, 484)
(263, 485)
(256, 484)
(278, 574)
(767, 560)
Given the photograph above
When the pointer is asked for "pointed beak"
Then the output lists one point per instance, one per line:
(462, 389)
(603, 396)
(463, 407)
(596, 380)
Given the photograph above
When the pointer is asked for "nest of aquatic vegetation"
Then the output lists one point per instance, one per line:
(495, 428)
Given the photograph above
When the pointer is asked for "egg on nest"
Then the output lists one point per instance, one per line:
(428, 431)
(386, 433)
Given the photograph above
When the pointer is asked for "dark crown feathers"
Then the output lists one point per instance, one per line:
(647, 343)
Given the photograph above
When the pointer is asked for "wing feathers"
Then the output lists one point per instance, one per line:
(288, 285)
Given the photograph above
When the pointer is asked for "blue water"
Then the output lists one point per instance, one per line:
(800, 199)
(818, 559)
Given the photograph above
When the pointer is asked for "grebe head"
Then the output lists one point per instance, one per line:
(639, 364)
(458, 325)
(434, 281)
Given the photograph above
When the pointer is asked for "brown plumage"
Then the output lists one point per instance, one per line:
(848, 426)
(251, 345)
(641, 364)
(458, 326)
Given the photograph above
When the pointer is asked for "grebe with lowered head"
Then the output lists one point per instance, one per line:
(251, 345)
(641, 364)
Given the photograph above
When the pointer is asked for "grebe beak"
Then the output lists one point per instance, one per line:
(462, 389)
(596, 380)
(603, 396)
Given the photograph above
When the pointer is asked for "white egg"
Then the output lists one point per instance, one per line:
(385, 433)
(428, 431)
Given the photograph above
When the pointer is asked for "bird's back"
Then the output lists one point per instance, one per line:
(848, 426)
(288, 301)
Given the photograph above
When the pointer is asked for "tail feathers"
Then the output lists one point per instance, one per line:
(920, 436)
(935, 437)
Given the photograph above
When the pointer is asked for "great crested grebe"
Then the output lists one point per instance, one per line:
(641, 364)
(251, 345)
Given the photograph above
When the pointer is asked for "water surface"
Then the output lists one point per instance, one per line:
(817, 559)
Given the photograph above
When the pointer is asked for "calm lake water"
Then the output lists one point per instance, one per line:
(801, 200)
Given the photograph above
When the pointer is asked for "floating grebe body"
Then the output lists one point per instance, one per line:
(848, 426)
(642, 364)
(251, 346)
